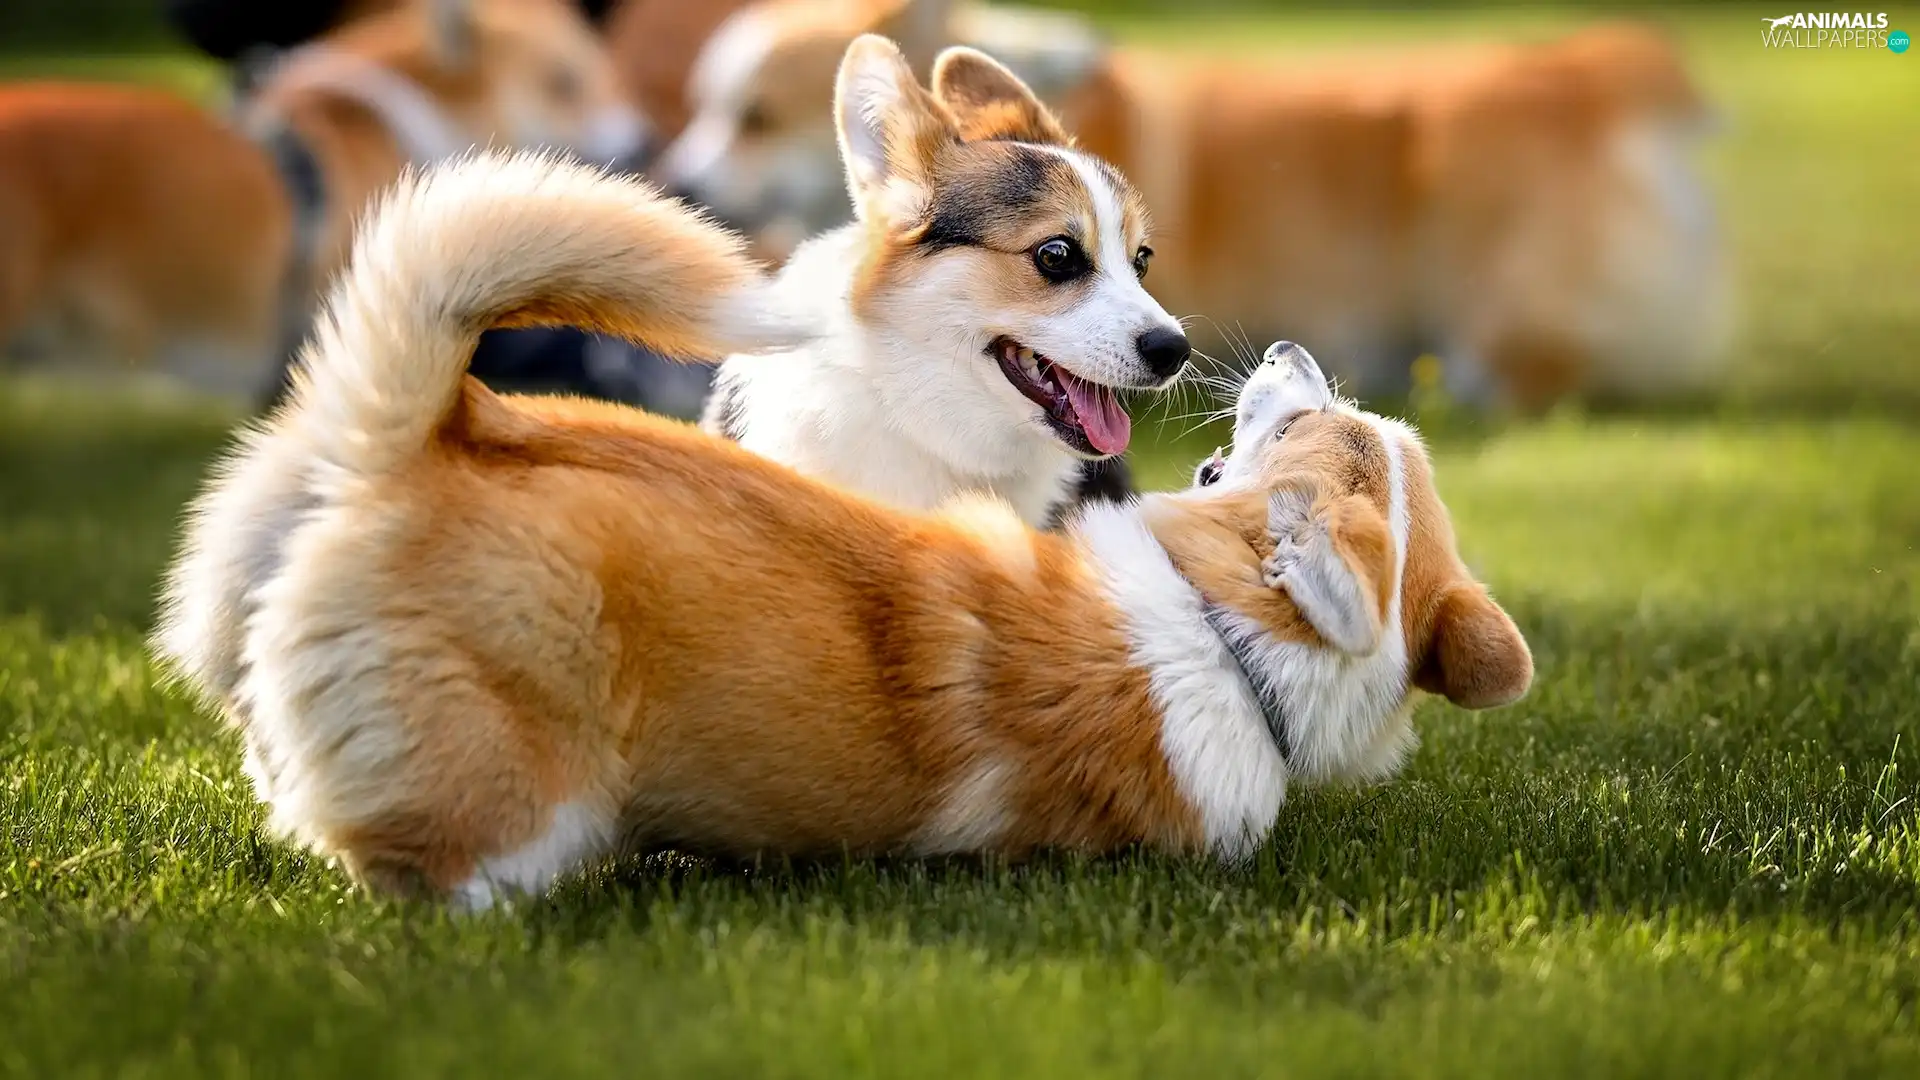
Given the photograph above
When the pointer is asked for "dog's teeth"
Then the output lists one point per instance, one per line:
(1029, 362)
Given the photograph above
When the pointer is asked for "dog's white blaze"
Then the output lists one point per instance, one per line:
(903, 409)
(1109, 220)
(576, 833)
(1098, 339)
(1116, 256)
(1216, 742)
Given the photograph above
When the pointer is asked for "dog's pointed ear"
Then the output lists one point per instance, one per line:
(453, 33)
(990, 102)
(890, 129)
(1335, 560)
(1477, 658)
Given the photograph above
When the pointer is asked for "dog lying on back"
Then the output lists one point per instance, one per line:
(1531, 213)
(473, 642)
(136, 228)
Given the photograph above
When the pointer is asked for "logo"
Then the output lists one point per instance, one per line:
(1832, 30)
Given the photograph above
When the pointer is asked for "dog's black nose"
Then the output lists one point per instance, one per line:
(1164, 350)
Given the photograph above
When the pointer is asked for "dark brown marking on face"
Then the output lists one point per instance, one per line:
(995, 195)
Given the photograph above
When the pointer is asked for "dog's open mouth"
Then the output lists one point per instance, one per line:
(1086, 415)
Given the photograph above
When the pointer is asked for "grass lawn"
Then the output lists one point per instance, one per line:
(1693, 850)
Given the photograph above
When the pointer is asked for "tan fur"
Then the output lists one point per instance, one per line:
(1465, 196)
(161, 236)
(1336, 463)
(501, 615)
(991, 103)
(1476, 200)
(106, 199)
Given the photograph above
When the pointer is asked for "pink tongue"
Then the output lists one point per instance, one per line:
(1107, 425)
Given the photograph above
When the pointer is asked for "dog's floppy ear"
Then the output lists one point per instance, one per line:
(991, 102)
(890, 129)
(1335, 560)
(453, 33)
(1477, 658)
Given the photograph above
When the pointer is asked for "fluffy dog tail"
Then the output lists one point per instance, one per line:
(500, 240)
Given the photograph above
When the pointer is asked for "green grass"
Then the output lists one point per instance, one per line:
(1693, 850)
(182, 73)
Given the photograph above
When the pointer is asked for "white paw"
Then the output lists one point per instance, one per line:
(1291, 527)
(1275, 567)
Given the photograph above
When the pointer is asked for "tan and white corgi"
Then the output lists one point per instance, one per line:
(474, 642)
(1529, 212)
(145, 230)
(983, 312)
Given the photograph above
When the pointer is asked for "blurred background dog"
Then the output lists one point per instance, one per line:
(1528, 212)
(1525, 215)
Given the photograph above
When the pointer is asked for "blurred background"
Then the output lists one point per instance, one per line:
(1805, 178)
(1803, 175)
(1500, 218)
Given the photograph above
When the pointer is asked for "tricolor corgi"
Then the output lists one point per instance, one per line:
(137, 228)
(983, 313)
(1531, 213)
(474, 642)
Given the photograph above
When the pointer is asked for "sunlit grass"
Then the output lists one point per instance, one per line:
(1693, 850)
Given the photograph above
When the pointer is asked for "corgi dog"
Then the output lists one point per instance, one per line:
(137, 228)
(982, 313)
(474, 642)
(1530, 213)
(1567, 245)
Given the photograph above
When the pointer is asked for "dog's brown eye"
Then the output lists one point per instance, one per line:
(754, 120)
(1059, 259)
(1140, 260)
